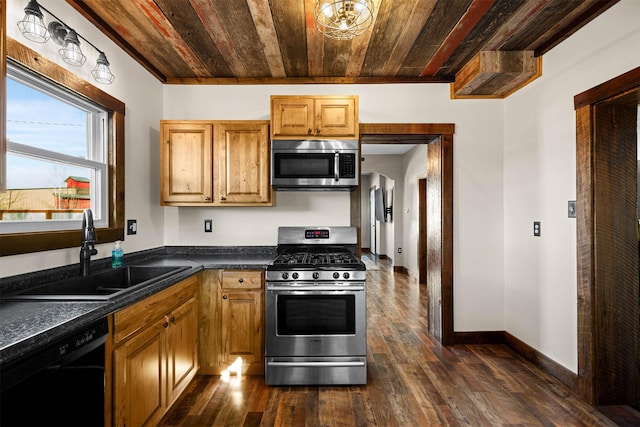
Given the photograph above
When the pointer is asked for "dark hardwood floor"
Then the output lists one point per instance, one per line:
(412, 381)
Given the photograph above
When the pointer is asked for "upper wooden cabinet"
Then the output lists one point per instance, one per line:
(186, 162)
(293, 117)
(241, 153)
(215, 163)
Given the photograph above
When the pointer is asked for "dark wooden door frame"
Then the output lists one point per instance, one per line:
(440, 290)
(607, 242)
(422, 230)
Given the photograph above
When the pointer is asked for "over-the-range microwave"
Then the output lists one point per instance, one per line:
(315, 165)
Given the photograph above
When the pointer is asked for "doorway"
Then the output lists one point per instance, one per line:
(439, 245)
(607, 242)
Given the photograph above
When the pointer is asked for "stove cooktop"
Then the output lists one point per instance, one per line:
(339, 259)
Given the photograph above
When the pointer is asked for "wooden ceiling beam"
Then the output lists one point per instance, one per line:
(495, 74)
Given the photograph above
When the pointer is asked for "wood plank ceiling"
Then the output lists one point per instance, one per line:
(276, 42)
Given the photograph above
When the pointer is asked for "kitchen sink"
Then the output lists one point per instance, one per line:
(101, 285)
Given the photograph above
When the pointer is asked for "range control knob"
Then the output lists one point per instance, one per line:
(336, 275)
(285, 276)
(315, 275)
(345, 275)
(295, 276)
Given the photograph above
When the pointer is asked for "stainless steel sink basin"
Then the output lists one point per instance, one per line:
(99, 286)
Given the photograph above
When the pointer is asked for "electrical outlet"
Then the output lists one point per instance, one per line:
(399, 250)
(536, 228)
(208, 225)
(132, 226)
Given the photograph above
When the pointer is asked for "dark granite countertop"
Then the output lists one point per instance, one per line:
(27, 325)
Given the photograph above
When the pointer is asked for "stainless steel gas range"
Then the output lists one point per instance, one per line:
(315, 315)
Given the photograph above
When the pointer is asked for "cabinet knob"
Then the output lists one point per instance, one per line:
(165, 325)
(207, 199)
(317, 131)
(224, 297)
(223, 198)
(309, 131)
(173, 319)
(241, 280)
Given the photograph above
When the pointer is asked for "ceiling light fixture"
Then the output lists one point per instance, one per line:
(343, 19)
(32, 27)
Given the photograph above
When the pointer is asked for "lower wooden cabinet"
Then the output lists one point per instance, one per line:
(155, 354)
(231, 321)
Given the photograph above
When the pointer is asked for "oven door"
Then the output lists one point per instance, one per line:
(315, 320)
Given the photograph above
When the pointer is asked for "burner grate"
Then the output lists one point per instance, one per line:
(314, 258)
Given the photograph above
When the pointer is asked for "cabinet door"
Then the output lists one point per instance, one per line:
(186, 162)
(336, 117)
(182, 357)
(242, 157)
(292, 116)
(139, 378)
(242, 329)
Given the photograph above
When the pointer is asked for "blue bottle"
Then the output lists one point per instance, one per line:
(117, 255)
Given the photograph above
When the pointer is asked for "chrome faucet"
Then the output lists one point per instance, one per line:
(88, 242)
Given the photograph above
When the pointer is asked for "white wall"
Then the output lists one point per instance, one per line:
(478, 210)
(540, 178)
(142, 95)
(415, 167)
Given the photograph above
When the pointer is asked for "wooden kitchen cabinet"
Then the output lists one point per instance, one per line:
(186, 162)
(215, 163)
(293, 117)
(241, 153)
(231, 321)
(155, 353)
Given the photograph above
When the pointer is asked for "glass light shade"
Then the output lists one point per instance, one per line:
(102, 73)
(343, 19)
(71, 52)
(32, 25)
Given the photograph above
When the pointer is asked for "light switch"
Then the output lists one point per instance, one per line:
(536, 228)
(208, 225)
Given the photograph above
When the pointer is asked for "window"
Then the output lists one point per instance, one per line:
(104, 115)
(56, 157)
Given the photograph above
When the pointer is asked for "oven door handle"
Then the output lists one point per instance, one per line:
(316, 364)
(315, 288)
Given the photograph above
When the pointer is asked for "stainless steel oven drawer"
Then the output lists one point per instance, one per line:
(316, 370)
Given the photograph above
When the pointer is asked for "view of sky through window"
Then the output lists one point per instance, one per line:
(42, 121)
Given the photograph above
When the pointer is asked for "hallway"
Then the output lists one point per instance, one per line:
(412, 381)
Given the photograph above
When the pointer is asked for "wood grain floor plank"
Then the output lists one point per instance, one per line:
(411, 381)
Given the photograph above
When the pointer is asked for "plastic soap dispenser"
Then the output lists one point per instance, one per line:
(117, 255)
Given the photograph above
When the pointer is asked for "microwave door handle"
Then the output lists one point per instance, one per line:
(336, 167)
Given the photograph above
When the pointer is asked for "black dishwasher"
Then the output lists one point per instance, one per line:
(61, 384)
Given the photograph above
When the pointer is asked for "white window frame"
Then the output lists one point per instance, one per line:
(97, 136)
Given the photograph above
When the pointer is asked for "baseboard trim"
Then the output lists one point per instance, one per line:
(400, 269)
(480, 337)
(564, 375)
(551, 367)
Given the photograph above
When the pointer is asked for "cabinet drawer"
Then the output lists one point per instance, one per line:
(241, 279)
(135, 317)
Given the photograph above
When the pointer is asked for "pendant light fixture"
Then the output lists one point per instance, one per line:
(343, 19)
(102, 73)
(32, 26)
(71, 52)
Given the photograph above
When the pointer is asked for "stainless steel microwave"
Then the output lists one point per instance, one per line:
(315, 165)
